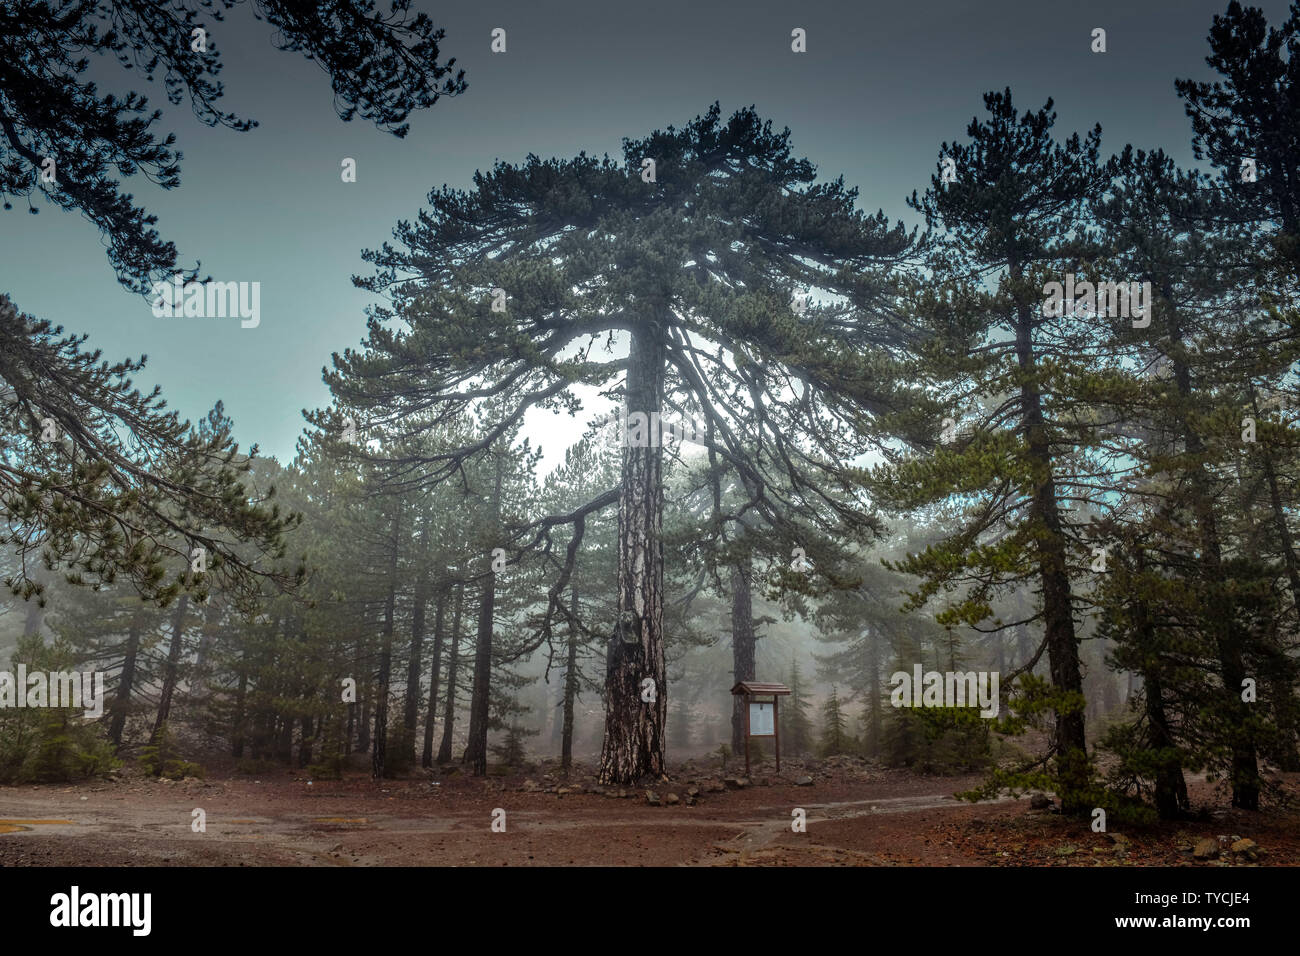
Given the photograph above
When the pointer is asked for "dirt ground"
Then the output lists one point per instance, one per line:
(856, 815)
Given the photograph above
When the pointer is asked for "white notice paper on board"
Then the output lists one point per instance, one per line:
(760, 720)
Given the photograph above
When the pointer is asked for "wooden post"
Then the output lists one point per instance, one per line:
(776, 732)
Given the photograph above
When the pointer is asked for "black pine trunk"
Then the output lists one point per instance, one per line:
(476, 751)
(171, 669)
(125, 683)
(742, 648)
(1058, 604)
(570, 689)
(633, 745)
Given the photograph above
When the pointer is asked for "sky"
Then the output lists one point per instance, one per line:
(880, 87)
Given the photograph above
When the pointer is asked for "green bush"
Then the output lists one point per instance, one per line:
(160, 758)
(49, 745)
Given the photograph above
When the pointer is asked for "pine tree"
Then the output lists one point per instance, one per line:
(835, 739)
(796, 726)
(92, 455)
(1003, 363)
(585, 250)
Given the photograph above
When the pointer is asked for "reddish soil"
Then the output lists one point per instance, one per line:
(856, 815)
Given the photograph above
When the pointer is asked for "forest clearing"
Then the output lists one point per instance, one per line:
(856, 816)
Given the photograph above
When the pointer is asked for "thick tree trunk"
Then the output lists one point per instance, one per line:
(570, 689)
(636, 691)
(1058, 605)
(480, 694)
(380, 755)
(453, 665)
(435, 665)
(171, 669)
(125, 684)
(476, 751)
(742, 648)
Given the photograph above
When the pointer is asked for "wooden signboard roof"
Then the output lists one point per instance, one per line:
(756, 687)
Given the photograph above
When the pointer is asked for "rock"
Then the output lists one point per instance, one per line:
(672, 799)
(1118, 839)
(562, 791)
(1039, 801)
(1247, 848)
(736, 783)
(714, 787)
(690, 800)
(804, 782)
(692, 792)
(530, 786)
(1206, 849)
(652, 798)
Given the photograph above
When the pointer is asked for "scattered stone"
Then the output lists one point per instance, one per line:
(692, 792)
(1247, 848)
(1118, 839)
(562, 791)
(530, 786)
(672, 799)
(714, 787)
(1206, 849)
(652, 798)
(1039, 801)
(736, 783)
(690, 800)
(804, 782)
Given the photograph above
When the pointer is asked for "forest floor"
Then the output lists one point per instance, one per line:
(857, 814)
